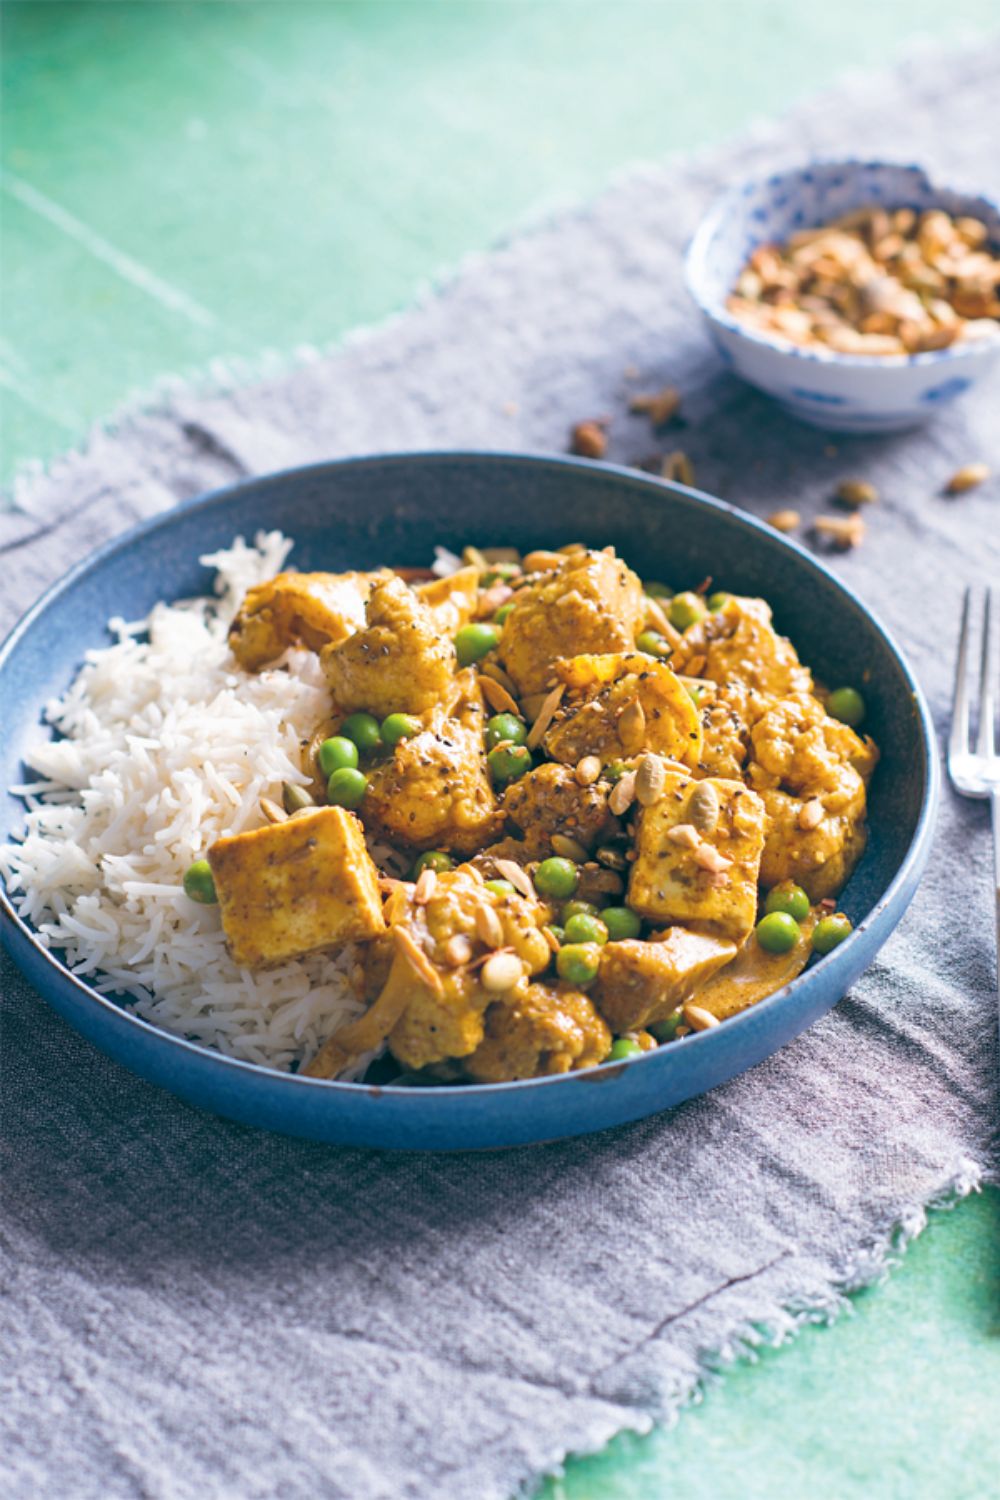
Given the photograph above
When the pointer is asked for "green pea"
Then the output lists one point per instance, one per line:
(508, 763)
(614, 771)
(198, 883)
(503, 612)
(400, 727)
(829, 932)
(578, 963)
(622, 1047)
(473, 642)
(505, 727)
(500, 572)
(500, 887)
(622, 922)
(556, 877)
(694, 692)
(364, 730)
(717, 601)
(653, 643)
(584, 929)
(347, 787)
(577, 908)
(432, 859)
(788, 898)
(666, 1030)
(656, 590)
(847, 705)
(337, 752)
(686, 610)
(778, 932)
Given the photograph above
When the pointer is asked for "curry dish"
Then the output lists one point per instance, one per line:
(567, 816)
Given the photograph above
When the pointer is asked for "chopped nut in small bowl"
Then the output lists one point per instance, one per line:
(859, 295)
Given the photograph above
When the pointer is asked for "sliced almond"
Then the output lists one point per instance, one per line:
(517, 875)
(497, 696)
(967, 478)
(784, 520)
(417, 959)
(542, 561)
(656, 616)
(678, 467)
(546, 713)
(658, 406)
(842, 531)
(490, 669)
(424, 888)
(707, 857)
(272, 812)
(551, 939)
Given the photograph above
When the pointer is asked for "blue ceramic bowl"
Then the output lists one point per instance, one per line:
(362, 512)
(845, 393)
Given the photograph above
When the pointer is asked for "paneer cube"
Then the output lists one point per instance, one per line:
(399, 662)
(591, 602)
(642, 982)
(292, 888)
(308, 609)
(698, 854)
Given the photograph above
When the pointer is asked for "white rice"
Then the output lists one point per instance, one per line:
(166, 745)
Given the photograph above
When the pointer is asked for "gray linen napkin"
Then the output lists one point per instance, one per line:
(198, 1309)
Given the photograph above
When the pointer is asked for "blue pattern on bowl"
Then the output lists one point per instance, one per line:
(883, 393)
(363, 512)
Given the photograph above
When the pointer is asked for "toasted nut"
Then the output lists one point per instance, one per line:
(417, 959)
(497, 696)
(424, 888)
(518, 877)
(650, 779)
(588, 770)
(589, 439)
(855, 492)
(501, 971)
(967, 478)
(707, 857)
(685, 834)
(498, 675)
(568, 848)
(489, 928)
(841, 531)
(811, 814)
(658, 406)
(604, 881)
(614, 859)
(541, 561)
(784, 520)
(678, 467)
(295, 798)
(632, 726)
(698, 1019)
(473, 558)
(272, 812)
(703, 807)
(551, 939)
(457, 951)
(622, 794)
(546, 713)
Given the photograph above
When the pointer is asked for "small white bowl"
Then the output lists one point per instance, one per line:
(843, 392)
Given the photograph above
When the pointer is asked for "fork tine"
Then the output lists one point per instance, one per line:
(958, 739)
(987, 678)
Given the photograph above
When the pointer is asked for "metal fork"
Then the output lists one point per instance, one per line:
(976, 772)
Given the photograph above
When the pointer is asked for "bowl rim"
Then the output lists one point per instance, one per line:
(717, 212)
(257, 1075)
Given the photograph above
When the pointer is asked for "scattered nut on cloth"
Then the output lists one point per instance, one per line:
(198, 1309)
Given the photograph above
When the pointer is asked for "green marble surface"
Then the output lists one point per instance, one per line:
(187, 182)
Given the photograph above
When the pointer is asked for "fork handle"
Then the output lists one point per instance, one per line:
(995, 810)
